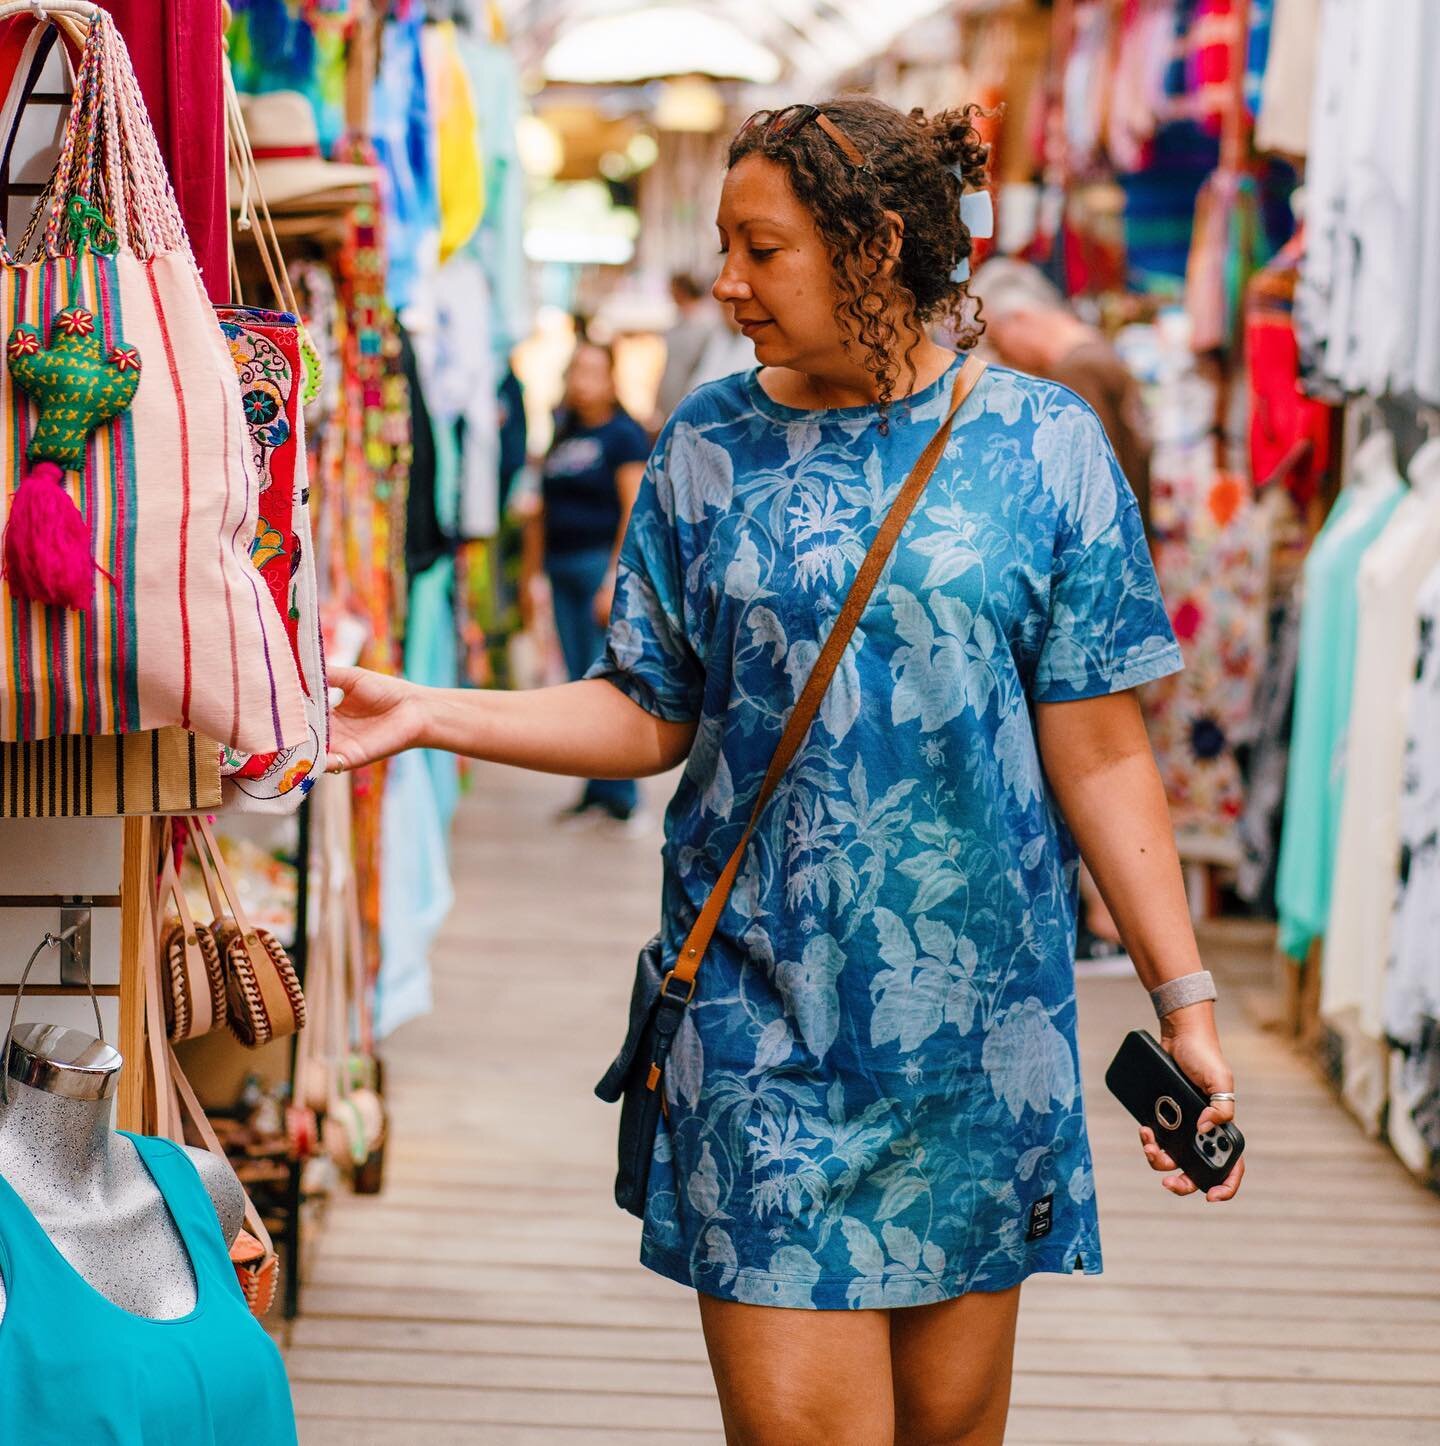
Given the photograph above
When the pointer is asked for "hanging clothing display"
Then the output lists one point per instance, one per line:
(1289, 432)
(1412, 985)
(1285, 97)
(77, 1368)
(1314, 789)
(1368, 843)
(1258, 831)
(405, 145)
(1213, 571)
(1368, 305)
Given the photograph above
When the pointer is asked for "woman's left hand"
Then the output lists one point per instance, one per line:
(1197, 1051)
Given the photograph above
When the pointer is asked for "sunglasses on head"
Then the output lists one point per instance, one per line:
(781, 125)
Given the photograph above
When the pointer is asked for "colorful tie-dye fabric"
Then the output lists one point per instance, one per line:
(875, 1097)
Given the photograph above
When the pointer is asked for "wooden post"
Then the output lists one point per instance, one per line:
(137, 881)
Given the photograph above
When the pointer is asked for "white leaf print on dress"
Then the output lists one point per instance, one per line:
(808, 989)
(840, 705)
(773, 1047)
(910, 995)
(742, 576)
(686, 1070)
(720, 1250)
(865, 1253)
(1070, 448)
(701, 474)
(703, 1189)
(928, 686)
(801, 438)
(1028, 1060)
(789, 1281)
(707, 765)
(903, 1244)
(1015, 748)
(766, 628)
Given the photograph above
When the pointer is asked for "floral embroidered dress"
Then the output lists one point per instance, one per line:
(874, 1099)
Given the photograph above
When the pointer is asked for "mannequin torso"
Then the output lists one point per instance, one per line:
(90, 1191)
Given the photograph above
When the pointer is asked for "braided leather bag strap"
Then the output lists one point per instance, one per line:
(692, 951)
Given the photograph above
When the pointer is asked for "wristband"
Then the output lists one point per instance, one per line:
(1185, 989)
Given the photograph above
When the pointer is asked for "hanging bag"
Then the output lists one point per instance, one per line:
(191, 968)
(264, 998)
(128, 591)
(660, 996)
(278, 366)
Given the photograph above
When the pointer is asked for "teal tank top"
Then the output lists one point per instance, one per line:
(74, 1367)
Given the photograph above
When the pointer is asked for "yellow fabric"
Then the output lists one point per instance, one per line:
(457, 129)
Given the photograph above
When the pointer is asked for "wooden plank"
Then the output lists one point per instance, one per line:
(136, 938)
(1327, 1347)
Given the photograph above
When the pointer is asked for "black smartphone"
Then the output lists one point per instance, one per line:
(1144, 1078)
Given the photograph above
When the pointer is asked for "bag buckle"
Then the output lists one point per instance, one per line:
(675, 998)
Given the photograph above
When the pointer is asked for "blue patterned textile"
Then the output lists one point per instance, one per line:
(876, 1089)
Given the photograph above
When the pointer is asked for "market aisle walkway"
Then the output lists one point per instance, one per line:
(492, 1295)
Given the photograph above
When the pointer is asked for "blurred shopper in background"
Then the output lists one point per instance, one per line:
(1030, 327)
(684, 342)
(587, 488)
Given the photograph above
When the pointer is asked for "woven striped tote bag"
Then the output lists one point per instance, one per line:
(122, 437)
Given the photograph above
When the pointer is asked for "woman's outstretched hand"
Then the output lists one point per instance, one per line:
(1197, 1052)
(376, 716)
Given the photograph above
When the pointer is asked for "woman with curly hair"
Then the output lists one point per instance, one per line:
(874, 1129)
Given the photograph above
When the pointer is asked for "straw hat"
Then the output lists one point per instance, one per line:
(286, 142)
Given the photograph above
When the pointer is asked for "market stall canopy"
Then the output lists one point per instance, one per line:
(759, 41)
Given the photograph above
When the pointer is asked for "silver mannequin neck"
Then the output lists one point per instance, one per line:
(86, 1185)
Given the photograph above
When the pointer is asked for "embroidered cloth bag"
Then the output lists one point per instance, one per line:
(129, 600)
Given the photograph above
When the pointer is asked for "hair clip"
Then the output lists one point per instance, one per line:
(977, 216)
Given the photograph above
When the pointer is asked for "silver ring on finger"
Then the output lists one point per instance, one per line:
(1222, 1095)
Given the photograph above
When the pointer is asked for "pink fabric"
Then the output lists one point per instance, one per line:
(175, 48)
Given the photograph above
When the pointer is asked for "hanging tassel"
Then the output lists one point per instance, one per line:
(47, 543)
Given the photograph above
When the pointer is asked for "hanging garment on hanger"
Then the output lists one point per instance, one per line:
(1323, 690)
(78, 1368)
(1213, 566)
(1284, 121)
(1357, 942)
(1289, 432)
(1412, 984)
(1258, 831)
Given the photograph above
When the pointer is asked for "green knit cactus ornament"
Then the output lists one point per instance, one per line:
(78, 384)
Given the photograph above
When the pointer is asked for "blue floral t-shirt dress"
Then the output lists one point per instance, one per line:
(874, 1099)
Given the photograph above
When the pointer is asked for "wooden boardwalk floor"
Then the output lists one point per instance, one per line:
(492, 1294)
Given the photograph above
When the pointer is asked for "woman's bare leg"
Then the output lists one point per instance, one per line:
(800, 1377)
(951, 1365)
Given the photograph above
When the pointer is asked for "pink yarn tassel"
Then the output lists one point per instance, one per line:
(47, 543)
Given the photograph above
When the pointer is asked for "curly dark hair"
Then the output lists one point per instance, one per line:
(911, 165)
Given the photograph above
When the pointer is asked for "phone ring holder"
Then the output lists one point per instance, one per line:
(1168, 1112)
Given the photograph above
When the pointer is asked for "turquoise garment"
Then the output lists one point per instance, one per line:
(1315, 784)
(874, 1099)
(74, 1368)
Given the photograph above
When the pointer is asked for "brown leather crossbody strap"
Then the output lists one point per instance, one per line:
(692, 951)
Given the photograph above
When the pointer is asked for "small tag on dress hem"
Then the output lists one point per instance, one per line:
(1041, 1215)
